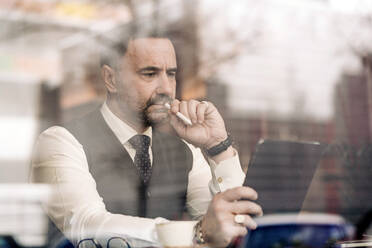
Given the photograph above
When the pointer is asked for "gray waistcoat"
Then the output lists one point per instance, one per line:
(117, 179)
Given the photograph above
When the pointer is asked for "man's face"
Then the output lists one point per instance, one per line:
(147, 79)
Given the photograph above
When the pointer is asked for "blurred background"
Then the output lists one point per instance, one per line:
(278, 69)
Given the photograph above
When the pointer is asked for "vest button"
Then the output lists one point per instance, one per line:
(148, 194)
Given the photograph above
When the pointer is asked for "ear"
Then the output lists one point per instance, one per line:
(108, 75)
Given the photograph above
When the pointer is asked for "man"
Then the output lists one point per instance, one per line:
(102, 189)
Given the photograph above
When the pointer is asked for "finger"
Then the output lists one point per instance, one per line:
(174, 121)
(248, 222)
(175, 107)
(177, 125)
(238, 230)
(192, 110)
(229, 233)
(246, 207)
(184, 109)
(238, 193)
(200, 111)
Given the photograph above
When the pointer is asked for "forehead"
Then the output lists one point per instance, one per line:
(144, 52)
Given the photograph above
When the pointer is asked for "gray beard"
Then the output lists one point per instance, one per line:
(147, 121)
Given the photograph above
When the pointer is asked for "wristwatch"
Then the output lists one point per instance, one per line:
(198, 234)
(221, 147)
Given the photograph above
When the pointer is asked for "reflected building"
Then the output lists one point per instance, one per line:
(343, 175)
(355, 149)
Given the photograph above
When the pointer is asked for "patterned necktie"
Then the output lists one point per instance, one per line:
(142, 158)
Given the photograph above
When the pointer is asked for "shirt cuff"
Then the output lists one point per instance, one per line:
(226, 174)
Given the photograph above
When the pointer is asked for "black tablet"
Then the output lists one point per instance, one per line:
(281, 173)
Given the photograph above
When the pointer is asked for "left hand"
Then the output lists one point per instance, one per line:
(218, 224)
(208, 128)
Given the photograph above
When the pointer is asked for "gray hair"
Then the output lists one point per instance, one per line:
(112, 49)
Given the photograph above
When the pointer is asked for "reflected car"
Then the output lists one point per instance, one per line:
(307, 230)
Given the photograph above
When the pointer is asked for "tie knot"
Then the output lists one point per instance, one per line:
(140, 142)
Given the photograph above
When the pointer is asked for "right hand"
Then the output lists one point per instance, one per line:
(218, 224)
(208, 127)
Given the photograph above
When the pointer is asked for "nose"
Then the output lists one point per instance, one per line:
(165, 85)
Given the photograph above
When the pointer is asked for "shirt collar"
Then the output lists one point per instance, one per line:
(121, 129)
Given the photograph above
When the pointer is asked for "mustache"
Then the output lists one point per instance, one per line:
(159, 99)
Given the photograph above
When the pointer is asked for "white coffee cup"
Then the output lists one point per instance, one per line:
(176, 233)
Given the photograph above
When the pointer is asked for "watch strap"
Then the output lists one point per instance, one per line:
(221, 147)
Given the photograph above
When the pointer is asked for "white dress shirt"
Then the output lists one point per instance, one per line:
(79, 211)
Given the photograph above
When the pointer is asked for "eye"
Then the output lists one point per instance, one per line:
(171, 74)
(149, 74)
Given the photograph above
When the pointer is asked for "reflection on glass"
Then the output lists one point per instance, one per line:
(309, 236)
(113, 242)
